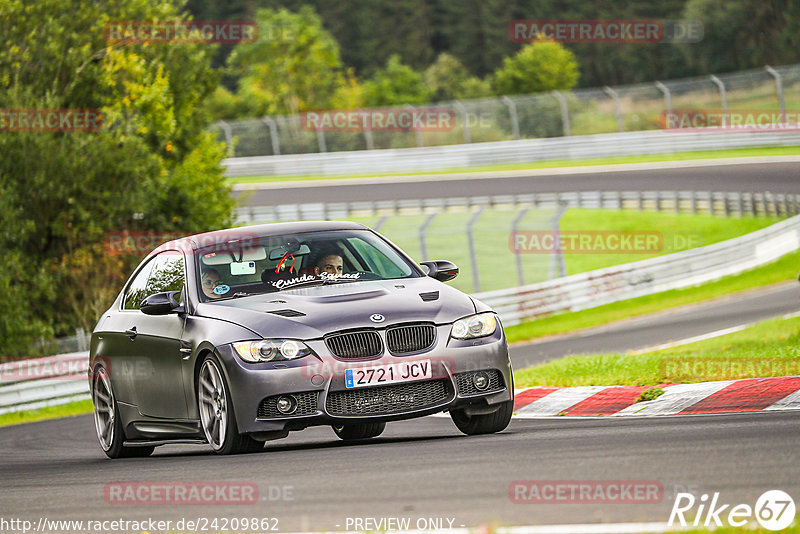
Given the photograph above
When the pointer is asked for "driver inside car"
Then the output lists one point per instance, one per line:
(329, 263)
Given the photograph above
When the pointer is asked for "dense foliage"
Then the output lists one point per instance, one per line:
(151, 167)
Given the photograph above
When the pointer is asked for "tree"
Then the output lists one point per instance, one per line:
(741, 34)
(152, 166)
(395, 85)
(294, 66)
(540, 66)
(447, 79)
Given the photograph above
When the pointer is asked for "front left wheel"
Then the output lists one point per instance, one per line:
(216, 413)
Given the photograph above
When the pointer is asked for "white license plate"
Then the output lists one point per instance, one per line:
(359, 377)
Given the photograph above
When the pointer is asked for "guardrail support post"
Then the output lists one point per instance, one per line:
(465, 120)
(226, 129)
(422, 229)
(617, 108)
(667, 97)
(557, 268)
(517, 254)
(380, 223)
(417, 131)
(473, 255)
(512, 113)
(367, 132)
(779, 88)
(321, 140)
(710, 203)
(273, 134)
(562, 101)
(723, 96)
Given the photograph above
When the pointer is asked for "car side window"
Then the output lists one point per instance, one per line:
(167, 274)
(137, 290)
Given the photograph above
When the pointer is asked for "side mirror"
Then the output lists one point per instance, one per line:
(160, 303)
(441, 270)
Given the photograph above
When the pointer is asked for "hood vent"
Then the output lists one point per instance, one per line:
(429, 296)
(287, 313)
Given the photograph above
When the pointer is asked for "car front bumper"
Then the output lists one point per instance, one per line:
(317, 385)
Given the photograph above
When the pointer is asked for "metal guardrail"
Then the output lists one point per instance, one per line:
(621, 282)
(37, 383)
(586, 111)
(733, 203)
(494, 153)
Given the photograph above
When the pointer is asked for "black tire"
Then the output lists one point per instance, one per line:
(104, 400)
(483, 424)
(231, 442)
(353, 431)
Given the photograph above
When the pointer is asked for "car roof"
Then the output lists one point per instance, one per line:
(256, 231)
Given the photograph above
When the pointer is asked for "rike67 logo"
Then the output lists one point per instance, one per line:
(774, 510)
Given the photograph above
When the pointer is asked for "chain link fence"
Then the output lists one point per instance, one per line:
(579, 112)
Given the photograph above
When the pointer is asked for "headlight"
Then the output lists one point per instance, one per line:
(480, 325)
(268, 350)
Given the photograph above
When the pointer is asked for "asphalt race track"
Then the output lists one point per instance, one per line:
(667, 326)
(757, 177)
(426, 469)
(417, 469)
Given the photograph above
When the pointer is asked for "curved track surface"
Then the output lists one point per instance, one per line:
(667, 326)
(417, 469)
(774, 177)
(425, 469)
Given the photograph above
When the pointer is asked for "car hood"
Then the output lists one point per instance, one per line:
(311, 312)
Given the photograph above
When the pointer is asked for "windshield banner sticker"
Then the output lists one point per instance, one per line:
(289, 282)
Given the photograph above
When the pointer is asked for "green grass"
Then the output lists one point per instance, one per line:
(497, 264)
(51, 412)
(769, 348)
(681, 156)
(781, 270)
(679, 232)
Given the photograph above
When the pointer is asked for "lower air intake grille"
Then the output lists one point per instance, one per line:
(384, 400)
(355, 345)
(410, 338)
(306, 405)
(467, 387)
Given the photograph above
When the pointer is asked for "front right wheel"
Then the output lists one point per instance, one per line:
(484, 423)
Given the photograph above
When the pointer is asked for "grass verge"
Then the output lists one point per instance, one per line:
(50, 412)
(681, 156)
(768, 348)
(781, 270)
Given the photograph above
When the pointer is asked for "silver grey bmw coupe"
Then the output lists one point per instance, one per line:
(239, 336)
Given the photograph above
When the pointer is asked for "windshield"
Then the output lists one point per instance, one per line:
(283, 262)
